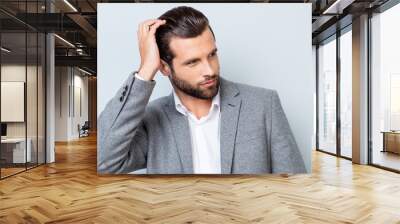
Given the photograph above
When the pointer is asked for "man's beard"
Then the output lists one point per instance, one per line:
(196, 92)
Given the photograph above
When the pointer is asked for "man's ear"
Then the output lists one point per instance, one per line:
(164, 68)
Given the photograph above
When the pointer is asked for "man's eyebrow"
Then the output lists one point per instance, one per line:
(190, 60)
(196, 59)
(214, 51)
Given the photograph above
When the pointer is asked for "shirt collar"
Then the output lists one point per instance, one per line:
(183, 110)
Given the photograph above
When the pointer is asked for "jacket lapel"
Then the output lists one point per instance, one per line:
(181, 131)
(230, 111)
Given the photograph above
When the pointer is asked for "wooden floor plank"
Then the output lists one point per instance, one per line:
(70, 191)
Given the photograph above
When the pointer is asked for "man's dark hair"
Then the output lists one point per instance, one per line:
(183, 22)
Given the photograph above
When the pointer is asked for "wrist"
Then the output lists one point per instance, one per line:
(146, 75)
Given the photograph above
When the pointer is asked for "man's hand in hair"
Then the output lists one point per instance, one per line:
(149, 54)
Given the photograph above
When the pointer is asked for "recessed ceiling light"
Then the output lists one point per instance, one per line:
(64, 40)
(5, 50)
(84, 71)
(70, 5)
(338, 6)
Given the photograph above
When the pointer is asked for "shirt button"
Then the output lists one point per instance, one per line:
(121, 98)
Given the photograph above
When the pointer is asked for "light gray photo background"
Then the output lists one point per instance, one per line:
(261, 44)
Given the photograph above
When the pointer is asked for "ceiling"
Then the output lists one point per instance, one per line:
(76, 22)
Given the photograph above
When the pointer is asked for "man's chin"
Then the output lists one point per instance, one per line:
(210, 92)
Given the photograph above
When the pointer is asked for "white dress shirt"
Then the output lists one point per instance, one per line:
(205, 136)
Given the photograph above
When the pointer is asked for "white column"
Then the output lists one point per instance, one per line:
(50, 100)
(50, 92)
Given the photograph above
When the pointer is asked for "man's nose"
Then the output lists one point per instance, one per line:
(207, 69)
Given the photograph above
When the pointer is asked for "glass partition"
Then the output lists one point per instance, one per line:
(22, 78)
(41, 97)
(14, 153)
(32, 95)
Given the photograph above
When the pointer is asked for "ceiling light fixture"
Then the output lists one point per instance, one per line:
(5, 50)
(64, 40)
(337, 7)
(70, 5)
(84, 71)
(79, 51)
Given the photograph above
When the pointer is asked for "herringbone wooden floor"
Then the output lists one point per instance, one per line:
(70, 191)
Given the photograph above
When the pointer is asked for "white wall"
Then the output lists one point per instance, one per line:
(80, 83)
(61, 103)
(17, 72)
(68, 81)
(12, 100)
(267, 45)
(33, 126)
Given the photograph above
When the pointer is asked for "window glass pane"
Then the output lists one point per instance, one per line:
(327, 96)
(386, 88)
(346, 93)
(14, 153)
(22, 88)
(41, 97)
(31, 97)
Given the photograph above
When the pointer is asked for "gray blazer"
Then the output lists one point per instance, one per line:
(135, 134)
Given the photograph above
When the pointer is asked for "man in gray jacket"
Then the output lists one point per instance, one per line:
(207, 125)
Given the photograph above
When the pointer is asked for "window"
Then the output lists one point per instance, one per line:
(327, 96)
(346, 94)
(385, 88)
(334, 77)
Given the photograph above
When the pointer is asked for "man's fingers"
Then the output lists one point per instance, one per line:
(145, 26)
(154, 27)
(149, 27)
(150, 21)
(143, 30)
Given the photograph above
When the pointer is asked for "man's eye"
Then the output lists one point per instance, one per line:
(213, 54)
(190, 63)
